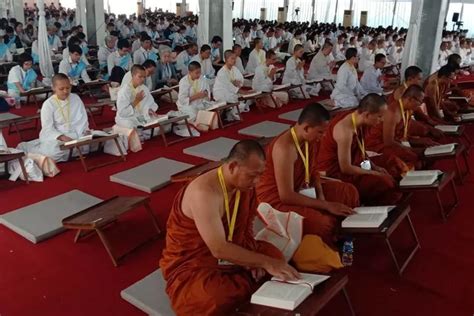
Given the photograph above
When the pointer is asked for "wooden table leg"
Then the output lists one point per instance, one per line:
(219, 119)
(119, 149)
(441, 207)
(153, 217)
(23, 169)
(348, 301)
(81, 157)
(163, 136)
(107, 246)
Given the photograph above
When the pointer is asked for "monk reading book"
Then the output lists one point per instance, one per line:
(211, 262)
(291, 182)
(342, 153)
(398, 134)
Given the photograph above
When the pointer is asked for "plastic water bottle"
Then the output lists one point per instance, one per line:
(347, 252)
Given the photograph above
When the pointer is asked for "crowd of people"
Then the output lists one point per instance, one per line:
(381, 132)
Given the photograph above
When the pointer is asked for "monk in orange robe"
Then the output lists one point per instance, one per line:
(439, 108)
(211, 262)
(342, 154)
(398, 134)
(289, 170)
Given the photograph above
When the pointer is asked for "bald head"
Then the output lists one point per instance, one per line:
(244, 149)
(313, 114)
(414, 91)
(371, 103)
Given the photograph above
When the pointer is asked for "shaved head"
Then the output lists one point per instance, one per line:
(371, 103)
(314, 114)
(244, 149)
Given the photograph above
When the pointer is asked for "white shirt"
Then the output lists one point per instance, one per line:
(66, 65)
(371, 80)
(188, 88)
(129, 116)
(103, 54)
(261, 81)
(114, 60)
(239, 64)
(255, 59)
(243, 42)
(128, 78)
(319, 67)
(293, 75)
(206, 66)
(347, 90)
(224, 89)
(182, 61)
(395, 57)
(141, 55)
(367, 58)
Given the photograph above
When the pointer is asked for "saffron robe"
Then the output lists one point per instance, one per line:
(196, 283)
(373, 190)
(315, 221)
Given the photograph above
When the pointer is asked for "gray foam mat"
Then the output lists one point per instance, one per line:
(42, 220)
(8, 116)
(149, 295)
(265, 129)
(291, 116)
(215, 150)
(150, 176)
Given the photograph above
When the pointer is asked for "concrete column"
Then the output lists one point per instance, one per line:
(313, 8)
(424, 36)
(95, 22)
(18, 11)
(286, 4)
(242, 9)
(394, 11)
(213, 14)
(335, 11)
(81, 14)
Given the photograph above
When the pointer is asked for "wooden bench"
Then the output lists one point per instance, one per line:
(99, 216)
(322, 295)
(446, 179)
(99, 140)
(385, 230)
(5, 158)
(171, 121)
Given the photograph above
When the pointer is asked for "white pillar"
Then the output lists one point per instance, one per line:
(335, 11)
(212, 15)
(18, 11)
(461, 14)
(81, 14)
(286, 4)
(426, 22)
(242, 11)
(394, 11)
(95, 22)
(3, 8)
(313, 8)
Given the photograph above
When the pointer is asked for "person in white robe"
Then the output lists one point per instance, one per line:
(63, 118)
(121, 57)
(21, 78)
(339, 49)
(216, 44)
(294, 75)
(135, 104)
(150, 68)
(228, 84)
(381, 47)
(263, 80)
(367, 57)
(371, 80)
(296, 40)
(145, 52)
(256, 57)
(395, 53)
(322, 65)
(194, 92)
(74, 67)
(243, 39)
(106, 50)
(443, 55)
(53, 40)
(348, 90)
(238, 61)
(204, 59)
(184, 58)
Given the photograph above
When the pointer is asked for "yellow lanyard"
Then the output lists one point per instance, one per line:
(405, 85)
(134, 94)
(406, 119)
(230, 222)
(194, 84)
(305, 157)
(231, 74)
(261, 57)
(360, 141)
(67, 119)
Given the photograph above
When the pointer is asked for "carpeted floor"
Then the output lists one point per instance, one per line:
(58, 277)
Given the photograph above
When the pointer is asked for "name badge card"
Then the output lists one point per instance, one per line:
(309, 192)
(366, 165)
(406, 143)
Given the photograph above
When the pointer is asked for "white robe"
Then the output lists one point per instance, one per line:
(348, 90)
(68, 118)
(129, 116)
(367, 59)
(263, 82)
(224, 90)
(141, 55)
(103, 54)
(295, 76)
(371, 81)
(319, 67)
(255, 59)
(182, 61)
(188, 88)
(128, 78)
(66, 65)
(114, 60)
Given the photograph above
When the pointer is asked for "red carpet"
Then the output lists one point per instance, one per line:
(58, 277)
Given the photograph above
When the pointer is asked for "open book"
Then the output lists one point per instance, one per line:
(467, 117)
(286, 294)
(250, 95)
(367, 217)
(159, 119)
(93, 134)
(420, 178)
(456, 98)
(448, 128)
(216, 105)
(441, 149)
(277, 87)
(248, 75)
(35, 89)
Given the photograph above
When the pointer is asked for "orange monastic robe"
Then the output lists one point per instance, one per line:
(315, 222)
(196, 283)
(374, 138)
(373, 190)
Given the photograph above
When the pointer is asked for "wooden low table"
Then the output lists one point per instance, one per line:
(33, 93)
(461, 135)
(88, 87)
(171, 121)
(97, 217)
(157, 94)
(222, 109)
(5, 158)
(385, 230)
(17, 121)
(446, 179)
(257, 99)
(322, 295)
(96, 109)
(99, 140)
(459, 153)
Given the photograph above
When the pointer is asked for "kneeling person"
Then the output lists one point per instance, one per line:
(74, 67)
(211, 262)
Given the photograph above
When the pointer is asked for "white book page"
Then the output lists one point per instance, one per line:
(412, 173)
(374, 209)
(306, 278)
(364, 220)
(418, 180)
(447, 128)
(216, 105)
(278, 294)
(441, 149)
(467, 116)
